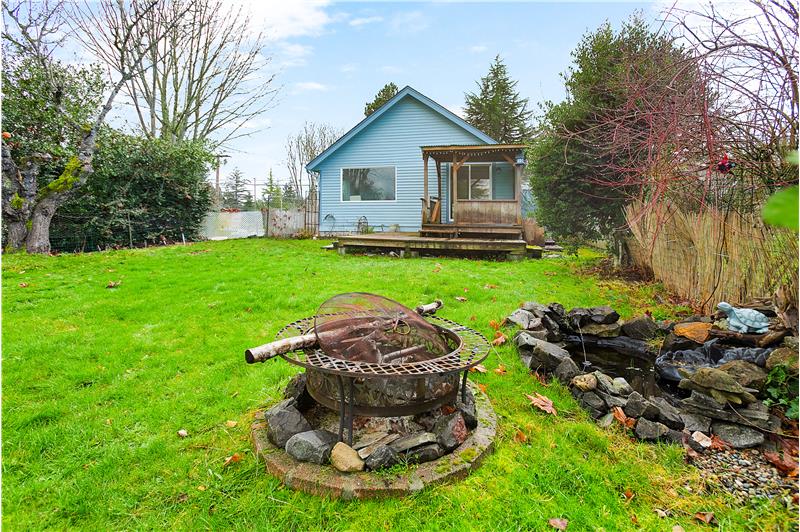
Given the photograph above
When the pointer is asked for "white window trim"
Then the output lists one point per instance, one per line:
(469, 182)
(382, 201)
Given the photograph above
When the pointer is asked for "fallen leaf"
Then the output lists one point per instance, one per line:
(705, 517)
(520, 437)
(490, 286)
(473, 317)
(113, 284)
(677, 528)
(549, 273)
(625, 421)
(558, 523)
(480, 368)
(718, 444)
(230, 423)
(448, 409)
(249, 310)
(235, 457)
(461, 298)
(500, 370)
(539, 377)
(183, 497)
(482, 387)
(634, 520)
(201, 488)
(438, 268)
(108, 422)
(660, 513)
(787, 465)
(628, 494)
(466, 290)
(494, 324)
(499, 339)
(183, 433)
(542, 403)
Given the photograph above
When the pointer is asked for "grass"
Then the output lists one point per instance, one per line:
(97, 381)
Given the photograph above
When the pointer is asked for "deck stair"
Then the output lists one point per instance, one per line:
(472, 231)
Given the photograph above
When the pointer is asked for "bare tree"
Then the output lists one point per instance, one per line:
(304, 146)
(205, 77)
(29, 206)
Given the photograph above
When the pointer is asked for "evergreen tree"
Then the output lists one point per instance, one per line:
(272, 192)
(497, 109)
(236, 194)
(384, 95)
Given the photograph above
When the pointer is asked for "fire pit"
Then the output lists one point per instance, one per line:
(367, 355)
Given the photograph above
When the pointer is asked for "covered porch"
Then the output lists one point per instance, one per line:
(484, 184)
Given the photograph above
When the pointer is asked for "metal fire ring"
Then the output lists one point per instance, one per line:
(473, 349)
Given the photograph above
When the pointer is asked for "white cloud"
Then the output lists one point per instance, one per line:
(478, 48)
(362, 21)
(292, 54)
(279, 19)
(409, 22)
(349, 67)
(310, 86)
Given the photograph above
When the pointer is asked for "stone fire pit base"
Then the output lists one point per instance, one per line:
(326, 481)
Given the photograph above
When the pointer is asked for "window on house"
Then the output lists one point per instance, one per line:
(474, 182)
(368, 184)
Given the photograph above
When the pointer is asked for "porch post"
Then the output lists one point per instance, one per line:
(518, 191)
(426, 203)
(441, 199)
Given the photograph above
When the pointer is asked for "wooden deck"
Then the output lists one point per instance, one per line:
(412, 245)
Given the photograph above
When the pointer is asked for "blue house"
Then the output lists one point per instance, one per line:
(412, 165)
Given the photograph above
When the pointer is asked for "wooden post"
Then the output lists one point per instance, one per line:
(439, 178)
(426, 203)
(518, 191)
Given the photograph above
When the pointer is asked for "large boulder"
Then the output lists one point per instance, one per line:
(593, 402)
(604, 315)
(585, 383)
(451, 431)
(738, 436)
(521, 318)
(542, 354)
(284, 420)
(786, 357)
(637, 406)
(696, 422)
(621, 387)
(604, 383)
(619, 344)
(667, 414)
(650, 430)
(312, 446)
(296, 389)
(537, 309)
(346, 459)
(381, 458)
(673, 342)
(641, 328)
(603, 330)
(426, 453)
(566, 370)
(746, 373)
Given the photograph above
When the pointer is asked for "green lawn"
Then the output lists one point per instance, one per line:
(97, 381)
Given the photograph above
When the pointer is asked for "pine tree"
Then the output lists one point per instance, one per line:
(273, 191)
(384, 95)
(236, 194)
(497, 109)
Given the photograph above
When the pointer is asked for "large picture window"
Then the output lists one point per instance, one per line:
(474, 182)
(368, 184)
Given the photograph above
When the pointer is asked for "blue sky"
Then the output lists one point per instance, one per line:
(332, 58)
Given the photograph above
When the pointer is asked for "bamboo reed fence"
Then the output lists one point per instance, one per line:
(713, 256)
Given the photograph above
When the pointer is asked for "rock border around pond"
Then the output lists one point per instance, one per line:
(324, 480)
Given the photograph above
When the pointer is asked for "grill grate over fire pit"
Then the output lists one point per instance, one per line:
(375, 357)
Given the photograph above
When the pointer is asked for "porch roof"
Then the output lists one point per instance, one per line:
(474, 152)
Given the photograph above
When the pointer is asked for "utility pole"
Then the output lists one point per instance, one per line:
(217, 189)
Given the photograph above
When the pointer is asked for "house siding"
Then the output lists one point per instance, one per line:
(394, 139)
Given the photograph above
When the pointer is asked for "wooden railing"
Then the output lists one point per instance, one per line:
(487, 211)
